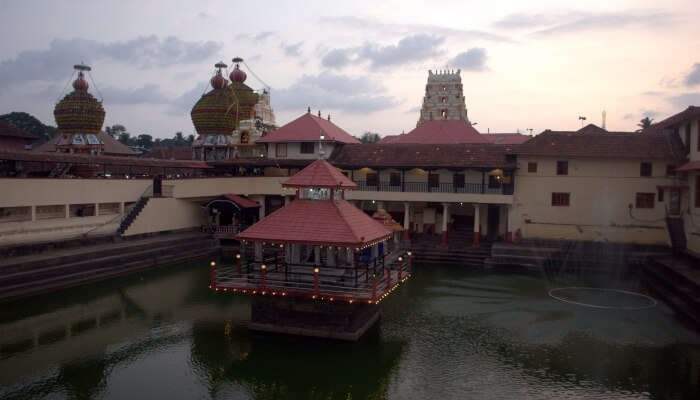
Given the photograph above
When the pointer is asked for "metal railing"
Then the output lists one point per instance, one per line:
(425, 187)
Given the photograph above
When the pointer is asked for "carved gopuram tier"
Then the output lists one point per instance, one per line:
(444, 97)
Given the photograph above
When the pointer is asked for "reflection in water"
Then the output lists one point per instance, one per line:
(448, 333)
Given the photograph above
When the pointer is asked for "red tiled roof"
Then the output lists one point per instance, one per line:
(308, 128)
(506, 138)
(112, 146)
(673, 120)
(317, 222)
(320, 174)
(242, 201)
(404, 155)
(7, 129)
(439, 132)
(691, 166)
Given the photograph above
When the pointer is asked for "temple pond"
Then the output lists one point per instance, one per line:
(447, 333)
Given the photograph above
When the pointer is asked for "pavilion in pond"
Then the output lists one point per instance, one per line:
(320, 265)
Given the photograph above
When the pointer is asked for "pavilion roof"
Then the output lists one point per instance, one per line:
(319, 223)
(308, 128)
(320, 174)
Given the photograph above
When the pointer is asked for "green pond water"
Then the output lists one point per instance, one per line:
(448, 333)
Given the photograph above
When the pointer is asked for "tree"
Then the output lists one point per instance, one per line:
(190, 139)
(145, 141)
(124, 137)
(115, 131)
(370, 137)
(644, 123)
(179, 139)
(31, 124)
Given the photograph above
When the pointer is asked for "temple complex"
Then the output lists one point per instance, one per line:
(444, 98)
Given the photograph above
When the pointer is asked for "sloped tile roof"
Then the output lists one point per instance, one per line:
(317, 222)
(112, 146)
(320, 174)
(605, 145)
(404, 155)
(670, 122)
(691, 166)
(439, 132)
(308, 128)
(506, 138)
(7, 129)
(242, 201)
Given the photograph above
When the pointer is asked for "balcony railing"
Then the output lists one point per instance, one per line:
(425, 187)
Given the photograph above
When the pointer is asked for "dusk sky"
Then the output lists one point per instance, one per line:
(524, 64)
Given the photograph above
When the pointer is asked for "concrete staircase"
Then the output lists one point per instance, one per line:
(676, 232)
(132, 214)
(28, 275)
(676, 281)
(427, 249)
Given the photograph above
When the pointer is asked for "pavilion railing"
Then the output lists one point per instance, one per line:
(424, 187)
(365, 280)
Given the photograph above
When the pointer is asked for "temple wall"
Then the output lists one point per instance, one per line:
(167, 214)
(294, 151)
(30, 192)
(207, 187)
(601, 193)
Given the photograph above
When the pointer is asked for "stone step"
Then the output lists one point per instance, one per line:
(16, 264)
(80, 278)
(684, 290)
(92, 260)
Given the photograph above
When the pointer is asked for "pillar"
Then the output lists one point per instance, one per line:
(317, 256)
(375, 251)
(331, 256)
(33, 212)
(121, 208)
(406, 221)
(445, 216)
(258, 252)
(261, 210)
(296, 254)
(476, 226)
(67, 210)
(97, 209)
(287, 200)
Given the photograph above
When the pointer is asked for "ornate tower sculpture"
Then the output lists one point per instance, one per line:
(222, 117)
(444, 97)
(79, 117)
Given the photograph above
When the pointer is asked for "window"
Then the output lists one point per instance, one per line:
(562, 168)
(532, 167)
(245, 137)
(644, 200)
(443, 114)
(660, 195)
(281, 150)
(560, 199)
(494, 181)
(670, 170)
(645, 169)
(395, 179)
(458, 180)
(372, 179)
(434, 180)
(697, 191)
(307, 148)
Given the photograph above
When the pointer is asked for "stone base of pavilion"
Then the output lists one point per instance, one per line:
(308, 317)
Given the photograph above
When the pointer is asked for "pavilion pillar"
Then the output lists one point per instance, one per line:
(121, 208)
(67, 210)
(445, 217)
(375, 251)
(406, 221)
(317, 256)
(287, 200)
(261, 210)
(331, 256)
(296, 255)
(258, 252)
(33, 211)
(476, 226)
(97, 209)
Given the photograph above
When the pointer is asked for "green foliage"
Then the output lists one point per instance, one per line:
(645, 123)
(31, 124)
(370, 137)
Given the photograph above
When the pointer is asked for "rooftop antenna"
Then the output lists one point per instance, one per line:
(604, 114)
(581, 118)
(530, 129)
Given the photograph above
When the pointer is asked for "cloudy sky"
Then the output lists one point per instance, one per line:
(524, 64)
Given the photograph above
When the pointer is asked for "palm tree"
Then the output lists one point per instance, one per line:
(644, 123)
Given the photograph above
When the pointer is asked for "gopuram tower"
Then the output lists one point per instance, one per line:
(444, 97)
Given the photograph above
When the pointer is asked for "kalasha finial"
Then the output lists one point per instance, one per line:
(237, 75)
(80, 83)
(218, 81)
